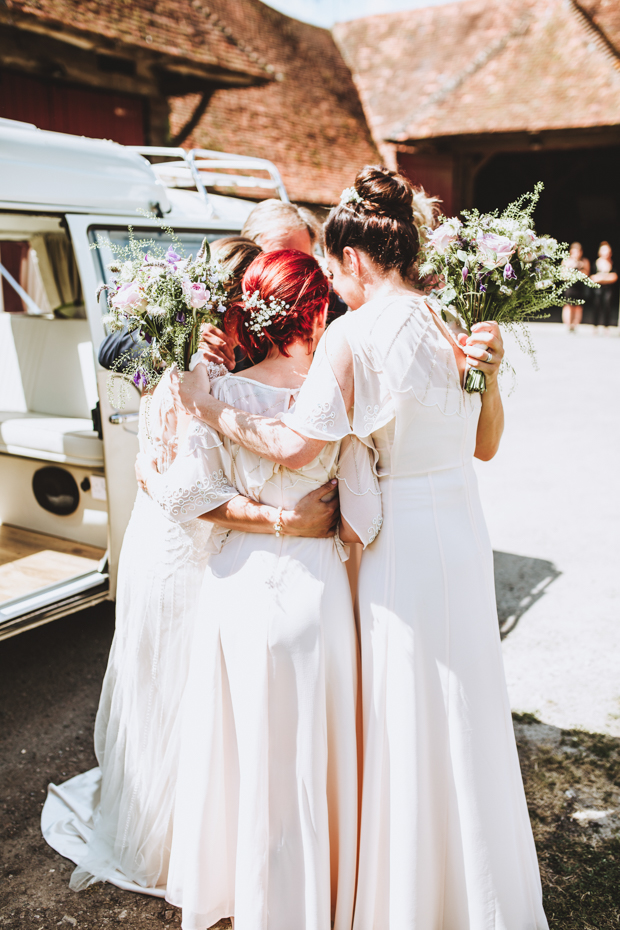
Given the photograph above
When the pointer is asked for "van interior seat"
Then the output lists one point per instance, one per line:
(71, 440)
(48, 389)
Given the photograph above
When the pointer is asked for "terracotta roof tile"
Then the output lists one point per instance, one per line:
(485, 66)
(309, 121)
(186, 29)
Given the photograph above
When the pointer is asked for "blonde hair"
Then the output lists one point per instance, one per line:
(270, 218)
(425, 212)
(235, 254)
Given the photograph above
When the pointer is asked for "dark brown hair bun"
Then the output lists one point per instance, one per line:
(385, 192)
(381, 223)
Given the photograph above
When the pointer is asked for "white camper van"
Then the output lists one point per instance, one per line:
(67, 481)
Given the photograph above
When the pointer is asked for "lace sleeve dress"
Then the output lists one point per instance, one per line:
(114, 821)
(445, 835)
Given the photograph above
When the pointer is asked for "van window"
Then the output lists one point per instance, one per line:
(43, 265)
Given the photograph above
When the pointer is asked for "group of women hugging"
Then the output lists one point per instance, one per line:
(290, 735)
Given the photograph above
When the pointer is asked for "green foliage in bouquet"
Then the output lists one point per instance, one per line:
(164, 297)
(493, 266)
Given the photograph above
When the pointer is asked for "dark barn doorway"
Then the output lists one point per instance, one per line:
(581, 200)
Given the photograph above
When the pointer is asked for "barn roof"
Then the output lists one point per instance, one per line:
(309, 121)
(485, 66)
(185, 34)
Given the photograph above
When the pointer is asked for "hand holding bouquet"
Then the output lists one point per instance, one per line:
(496, 268)
(165, 299)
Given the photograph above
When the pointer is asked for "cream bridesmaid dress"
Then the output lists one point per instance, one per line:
(446, 842)
(115, 821)
(265, 823)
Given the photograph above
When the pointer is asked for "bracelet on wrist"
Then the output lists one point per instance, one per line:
(278, 526)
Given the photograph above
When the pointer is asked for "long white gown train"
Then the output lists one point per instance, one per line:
(446, 842)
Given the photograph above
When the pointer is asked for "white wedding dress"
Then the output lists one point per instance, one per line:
(114, 821)
(446, 842)
(265, 824)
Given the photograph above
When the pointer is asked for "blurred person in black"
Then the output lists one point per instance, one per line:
(572, 312)
(606, 277)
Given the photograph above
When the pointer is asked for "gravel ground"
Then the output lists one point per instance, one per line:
(551, 498)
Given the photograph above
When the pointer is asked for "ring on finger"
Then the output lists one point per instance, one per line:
(489, 357)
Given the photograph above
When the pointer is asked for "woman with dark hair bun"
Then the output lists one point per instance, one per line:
(445, 841)
(265, 823)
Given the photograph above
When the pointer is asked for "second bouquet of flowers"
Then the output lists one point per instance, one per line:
(164, 298)
(495, 267)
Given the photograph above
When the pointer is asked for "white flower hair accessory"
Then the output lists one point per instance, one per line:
(349, 195)
(263, 312)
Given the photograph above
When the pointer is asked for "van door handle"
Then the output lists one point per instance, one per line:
(117, 418)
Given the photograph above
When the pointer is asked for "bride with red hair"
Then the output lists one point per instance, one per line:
(265, 823)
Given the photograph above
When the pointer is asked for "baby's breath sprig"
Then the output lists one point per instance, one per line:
(349, 195)
(263, 312)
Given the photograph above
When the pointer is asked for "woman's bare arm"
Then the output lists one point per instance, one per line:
(347, 533)
(605, 277)
(316, 515)
(491, 422)
(266, 437)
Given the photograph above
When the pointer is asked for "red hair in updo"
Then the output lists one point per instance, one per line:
(292, 277)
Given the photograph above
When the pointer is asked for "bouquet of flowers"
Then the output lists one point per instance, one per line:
(495, 267)
(164, 297)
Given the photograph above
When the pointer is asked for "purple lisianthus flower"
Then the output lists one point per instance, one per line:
(180, 318)
(509, 272)
(172, 257)
(483, 288)
(139, 379)
(465, 273)
(147, 337)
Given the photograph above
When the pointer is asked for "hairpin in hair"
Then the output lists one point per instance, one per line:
(349, 195)
(263, 312)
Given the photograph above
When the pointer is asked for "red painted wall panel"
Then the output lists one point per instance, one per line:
(435, 173)
(81, 111)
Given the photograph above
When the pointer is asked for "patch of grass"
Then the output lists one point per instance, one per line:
(565, 771)
(581, 883)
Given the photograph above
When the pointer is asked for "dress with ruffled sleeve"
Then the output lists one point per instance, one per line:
(446, 842)
(115, 821)
(265, 824)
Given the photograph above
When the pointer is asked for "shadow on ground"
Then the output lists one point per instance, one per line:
(520, 581)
